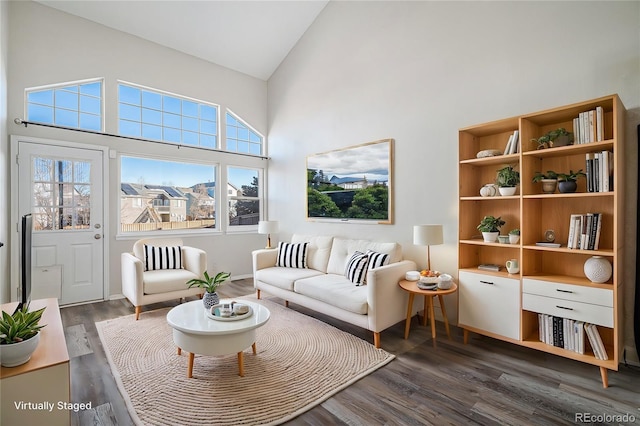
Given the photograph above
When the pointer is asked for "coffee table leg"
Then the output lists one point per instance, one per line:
(407, 324)
(241, 364)
(179, 350)
(190, 368)
(444, 314)
(426, 311)
(254, 348)
(433, 319)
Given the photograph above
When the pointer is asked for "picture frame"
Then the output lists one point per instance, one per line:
(353, 184)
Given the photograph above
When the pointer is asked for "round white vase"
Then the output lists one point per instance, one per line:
(507, 190)
(598, 269)
(15, 354)
(490, 237)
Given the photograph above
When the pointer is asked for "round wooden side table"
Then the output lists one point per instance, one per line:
(412, 288)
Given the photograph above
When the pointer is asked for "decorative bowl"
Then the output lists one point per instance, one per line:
(503, 239)
(429, 280)
(412, 276)
(489, 153)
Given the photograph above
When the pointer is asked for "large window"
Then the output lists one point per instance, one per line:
(244, 194)
(76, 105)
(241, 138)
(151, 114)
(165, 195)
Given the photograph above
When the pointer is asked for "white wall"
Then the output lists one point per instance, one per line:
(419, 71)
(48, 46)
(4, 152)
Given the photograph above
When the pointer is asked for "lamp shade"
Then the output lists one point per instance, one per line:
(427, 235)
(267, 227)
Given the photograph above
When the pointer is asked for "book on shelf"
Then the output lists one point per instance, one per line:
(584, 231)
(588, 126)
(489, 267)
(507, 148)
(561, 332)
(548, 244)
(515, 142)
(596, 342)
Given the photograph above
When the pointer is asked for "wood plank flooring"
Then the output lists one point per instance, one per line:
(486, 382)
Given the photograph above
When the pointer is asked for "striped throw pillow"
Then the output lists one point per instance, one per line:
(376, 259)
(168, 257)
(356, 270)
(292, 255)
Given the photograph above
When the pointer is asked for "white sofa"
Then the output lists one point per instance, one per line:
(323, 287)
(145, 287)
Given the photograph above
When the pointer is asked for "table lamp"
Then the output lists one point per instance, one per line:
(268, 227)
(427, 235)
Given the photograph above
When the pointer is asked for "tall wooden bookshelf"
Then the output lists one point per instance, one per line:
(551, 279)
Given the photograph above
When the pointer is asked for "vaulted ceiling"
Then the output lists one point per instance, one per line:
(252, 37)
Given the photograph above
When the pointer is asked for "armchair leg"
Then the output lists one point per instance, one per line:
(138, 310)
(376, 339)
(258, 294)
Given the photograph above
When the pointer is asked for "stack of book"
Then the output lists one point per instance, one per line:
(513, 144)
(599, 166)
(589, 126)
(561, 332)
(584, 231)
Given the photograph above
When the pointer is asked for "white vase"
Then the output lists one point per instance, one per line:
(598, 269)
(490, 237)
(507, 190)
(513, 238)
(15, 354)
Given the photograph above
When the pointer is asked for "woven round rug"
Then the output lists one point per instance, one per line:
(300, 362)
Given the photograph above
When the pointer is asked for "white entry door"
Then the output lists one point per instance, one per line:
(62, 187)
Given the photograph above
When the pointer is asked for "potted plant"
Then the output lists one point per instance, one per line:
(507, 179)
(19, 336)
(567, 182)
(514, 236)
(549, 181)
(558, 137)
(490, 228)
(210, 285)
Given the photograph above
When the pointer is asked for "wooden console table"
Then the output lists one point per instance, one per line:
(43, 379)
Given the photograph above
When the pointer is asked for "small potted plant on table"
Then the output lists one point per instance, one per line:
(490, 228)
(507, 179)
(549, 181)
(210, 285)
(19, 336)
(567, 182)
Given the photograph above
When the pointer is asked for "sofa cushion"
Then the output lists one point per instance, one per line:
(356, 269)
(342, 249)
(318, 250)
(166, 257)
(166, 280)
(292, 255)
(284, 277)
(335, 290)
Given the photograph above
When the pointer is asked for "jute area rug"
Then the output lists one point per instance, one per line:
(300, 363)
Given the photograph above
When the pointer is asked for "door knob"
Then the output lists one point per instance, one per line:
(97, 236)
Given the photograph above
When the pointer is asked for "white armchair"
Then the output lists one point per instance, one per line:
(143, 287)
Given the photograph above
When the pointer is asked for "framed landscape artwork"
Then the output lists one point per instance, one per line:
(352, 184)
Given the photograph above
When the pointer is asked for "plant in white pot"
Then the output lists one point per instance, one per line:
(210, 284)
(549, 181)
(514, 236)
(19, 336)
(490, 228)
(507, 180)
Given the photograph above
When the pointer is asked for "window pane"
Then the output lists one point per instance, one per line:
(171, 120)
(42, 169)
(152, 100)
(66, 118)
(40, 114)
(128, 94)
(231, 120)
(63, 171)
(208, 113)
(171, 104)
(254, 149)
(151, 132)
(164, 195)
(232, 145)
(90, 122)
(232, 132)
(243, 133)
(190, 124)
(129, 128)
(92, 89)
(190, 138)
(42, 194)
(243, 146)
(151, 116)
(66, 100)
(89, 104)
(171, 135)
(189, 108)
(44, 97)
(208, 127)
(129, 112)
(254, 138)
(208, 141)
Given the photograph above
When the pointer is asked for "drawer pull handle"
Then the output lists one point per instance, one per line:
(486, 282)
(564, 291)
(563, 307)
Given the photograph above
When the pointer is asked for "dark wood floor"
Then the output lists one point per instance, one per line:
(486, 382)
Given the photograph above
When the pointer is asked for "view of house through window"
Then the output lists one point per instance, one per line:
(77, 105)
(244, 195)
(165, 195)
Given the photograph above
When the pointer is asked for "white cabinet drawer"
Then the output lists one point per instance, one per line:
(577, 293)
(596, 314)
(489, 303)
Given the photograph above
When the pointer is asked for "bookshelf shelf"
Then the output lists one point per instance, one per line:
(543, 269)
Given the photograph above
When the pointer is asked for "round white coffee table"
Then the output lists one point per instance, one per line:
(196, 333)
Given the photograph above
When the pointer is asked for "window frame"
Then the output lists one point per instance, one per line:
(162, 112)
(57, 86)
(260, 198)
(250, 128)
